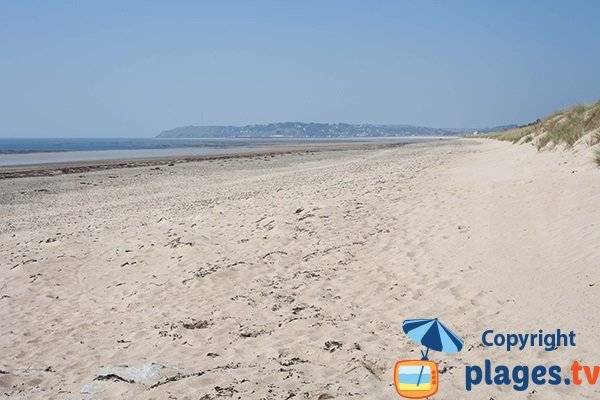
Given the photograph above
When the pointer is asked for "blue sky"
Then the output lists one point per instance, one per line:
(134, 68)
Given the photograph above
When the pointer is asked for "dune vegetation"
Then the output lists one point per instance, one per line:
(566, 128)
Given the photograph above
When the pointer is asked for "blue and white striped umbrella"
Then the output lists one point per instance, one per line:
(432, 334)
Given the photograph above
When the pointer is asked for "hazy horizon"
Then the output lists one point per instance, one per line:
(110, 69)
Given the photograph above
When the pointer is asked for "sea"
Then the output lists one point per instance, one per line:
(31, 151)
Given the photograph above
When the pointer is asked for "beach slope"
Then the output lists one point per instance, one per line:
(281, 276)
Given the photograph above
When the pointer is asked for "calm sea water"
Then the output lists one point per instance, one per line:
(43, 145)
(49, 150)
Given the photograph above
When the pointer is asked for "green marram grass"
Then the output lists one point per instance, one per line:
(566, 130)
(564, 127)
(513, 135)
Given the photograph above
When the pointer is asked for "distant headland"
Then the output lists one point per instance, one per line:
(318, 130)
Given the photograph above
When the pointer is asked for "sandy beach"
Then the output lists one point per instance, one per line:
(288, 276)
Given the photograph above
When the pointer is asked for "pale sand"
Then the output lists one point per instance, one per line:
(288, 276)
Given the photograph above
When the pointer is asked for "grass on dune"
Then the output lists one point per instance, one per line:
(567, 130)
(595, 138)
(565, 127)
(513, 135)
(592, 119)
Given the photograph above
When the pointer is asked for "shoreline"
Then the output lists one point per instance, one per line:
(72, 167)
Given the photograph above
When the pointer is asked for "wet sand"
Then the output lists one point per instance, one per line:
(100, 160)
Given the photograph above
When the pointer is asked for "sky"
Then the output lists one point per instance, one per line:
(135, 68)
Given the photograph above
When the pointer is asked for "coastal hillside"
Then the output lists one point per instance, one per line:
(316, 130)
(577, 127)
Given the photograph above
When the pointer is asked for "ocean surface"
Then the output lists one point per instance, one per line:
(57, 150)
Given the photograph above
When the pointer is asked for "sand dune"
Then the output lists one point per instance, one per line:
(289, 276)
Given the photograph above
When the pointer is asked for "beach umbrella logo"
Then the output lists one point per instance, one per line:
(418, 379)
